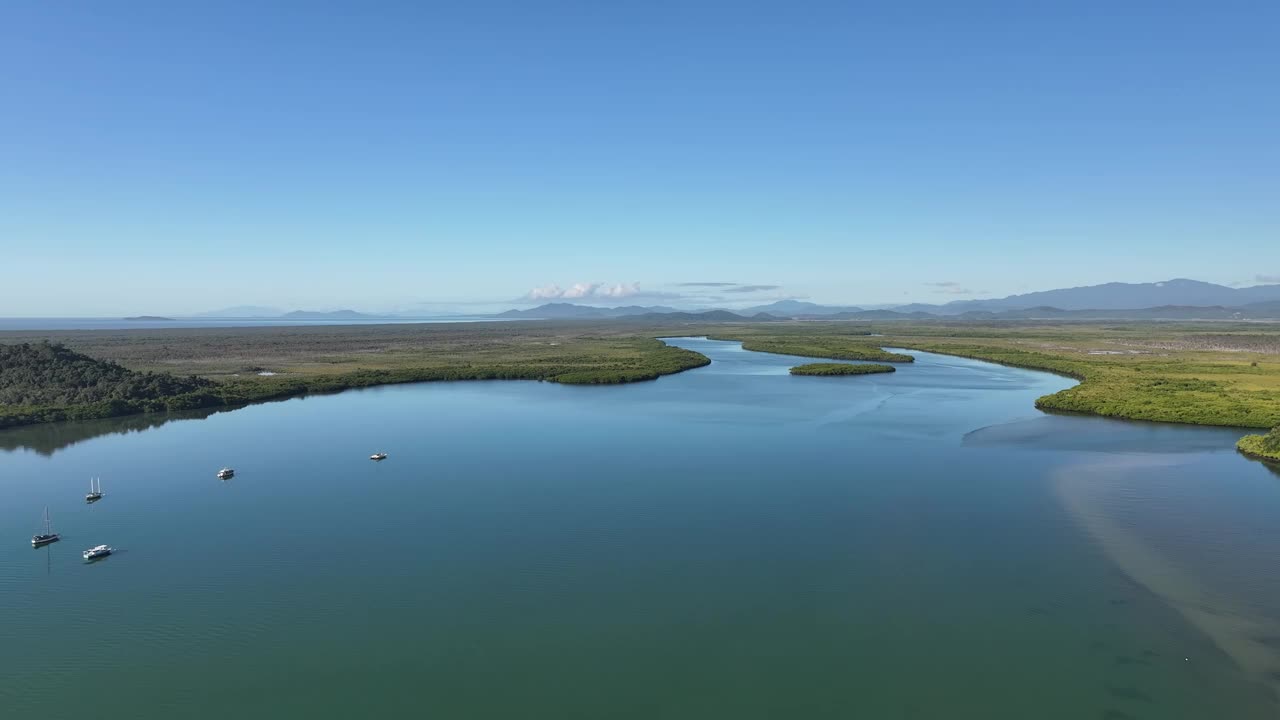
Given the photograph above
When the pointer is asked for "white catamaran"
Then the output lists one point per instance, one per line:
(97, 551)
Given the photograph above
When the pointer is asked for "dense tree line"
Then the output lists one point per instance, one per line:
(43, 382)
(50, 374)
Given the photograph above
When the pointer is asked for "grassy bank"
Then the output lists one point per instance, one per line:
(835, 347)
(1263, 447)
(88, 387)
(1198, 373)
(1179, 391)
(833, 369)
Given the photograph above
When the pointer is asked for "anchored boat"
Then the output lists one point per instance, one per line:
(98, 551)
(48, 536)
(226, 473)
(378, 456)
(95, 490)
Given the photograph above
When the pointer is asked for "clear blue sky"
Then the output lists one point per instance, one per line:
(166, 157)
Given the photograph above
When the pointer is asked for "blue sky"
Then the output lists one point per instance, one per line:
(166, 158)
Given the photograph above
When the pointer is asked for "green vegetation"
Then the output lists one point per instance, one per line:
(841, 369)
(824, 346)
(1263, 447)
(45, 382)
(1200, 373)
(50, 374)
(1210, 373)
(1141, 389)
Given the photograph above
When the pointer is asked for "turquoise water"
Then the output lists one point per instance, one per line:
(729, 542)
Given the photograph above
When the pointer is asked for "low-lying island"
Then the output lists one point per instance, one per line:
(841, 369)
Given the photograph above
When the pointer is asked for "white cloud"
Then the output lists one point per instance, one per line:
(590, 291)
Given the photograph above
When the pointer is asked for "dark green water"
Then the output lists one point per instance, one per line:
(730, 542)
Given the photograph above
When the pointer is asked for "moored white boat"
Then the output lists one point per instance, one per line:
(97, 551)
(226, 473)
(378, 456)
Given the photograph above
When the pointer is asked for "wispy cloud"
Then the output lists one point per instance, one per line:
(949, 287)
(1267, 278)
(705, 284)
(594, 291)
(751, 288)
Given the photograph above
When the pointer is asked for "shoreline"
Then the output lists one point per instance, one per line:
(1102, 390)
(242, 393)
(1243, 446)
(1047, 402)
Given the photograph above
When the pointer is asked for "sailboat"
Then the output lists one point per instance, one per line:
(49, 536)
(95, 490)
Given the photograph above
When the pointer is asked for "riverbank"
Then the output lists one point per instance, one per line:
(1261, 447)
(1201, 374)
(856, 347)
(1170, 391)
(118, 374)
(1220, 375)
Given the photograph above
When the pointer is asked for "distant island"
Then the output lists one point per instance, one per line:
(334, 315)
(254, 312)
(149, 317)
(840, 369)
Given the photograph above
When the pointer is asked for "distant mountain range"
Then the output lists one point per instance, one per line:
(794, 308)
(334, 315)
(1178, 299)
(1119, 296)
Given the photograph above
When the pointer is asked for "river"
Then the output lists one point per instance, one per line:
(728, 542)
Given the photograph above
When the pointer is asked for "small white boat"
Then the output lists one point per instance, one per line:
(226, 473)
(95, 490)
(378, 456)
(48, 536)
(98, 551)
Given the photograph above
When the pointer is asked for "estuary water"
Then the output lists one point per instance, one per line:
(728, 542)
